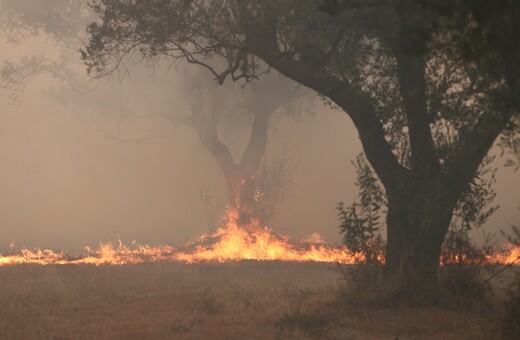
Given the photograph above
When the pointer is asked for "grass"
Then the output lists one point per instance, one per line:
(246, 300)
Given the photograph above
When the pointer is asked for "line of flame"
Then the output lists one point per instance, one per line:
(229, 243)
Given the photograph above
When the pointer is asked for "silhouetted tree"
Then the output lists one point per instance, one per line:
(210, 108)
(429, 85)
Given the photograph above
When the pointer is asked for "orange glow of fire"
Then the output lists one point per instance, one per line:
(106, 253)
(508, 254)
(231, 242)
(254, 242)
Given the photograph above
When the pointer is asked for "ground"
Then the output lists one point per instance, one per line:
(245, 300)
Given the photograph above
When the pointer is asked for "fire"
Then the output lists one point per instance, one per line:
(231, 242)
(254, 242)
(106, 253)
(508, 254)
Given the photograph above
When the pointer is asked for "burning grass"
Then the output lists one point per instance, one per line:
(231, 242)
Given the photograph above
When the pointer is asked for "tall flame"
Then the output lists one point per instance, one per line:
(231, 242)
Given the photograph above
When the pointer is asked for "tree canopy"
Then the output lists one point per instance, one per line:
(358, 59)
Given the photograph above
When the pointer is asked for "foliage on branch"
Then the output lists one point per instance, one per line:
(360, 223)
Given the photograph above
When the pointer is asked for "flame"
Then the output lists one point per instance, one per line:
(507, 254)
(106, 253)
(231, 242)
(253, 242)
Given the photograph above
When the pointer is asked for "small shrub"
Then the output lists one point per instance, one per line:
(360, 223)
(361, 227)
(361, 234)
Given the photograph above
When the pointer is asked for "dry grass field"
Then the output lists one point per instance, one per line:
(246, 300)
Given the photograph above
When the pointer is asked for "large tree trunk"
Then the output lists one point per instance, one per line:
(418, 219)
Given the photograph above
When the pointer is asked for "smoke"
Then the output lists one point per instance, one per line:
(101, 159)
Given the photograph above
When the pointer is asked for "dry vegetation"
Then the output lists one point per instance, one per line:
(247, 300)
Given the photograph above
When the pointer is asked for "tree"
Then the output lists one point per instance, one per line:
(429, 85)
(212, 106)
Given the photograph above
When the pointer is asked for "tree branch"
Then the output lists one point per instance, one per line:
(255, 149)
(262, 41)
(412, 86)
(207, 130)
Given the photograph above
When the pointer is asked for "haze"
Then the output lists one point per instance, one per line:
(107, 165)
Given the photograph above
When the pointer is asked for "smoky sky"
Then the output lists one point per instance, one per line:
(79, 168)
